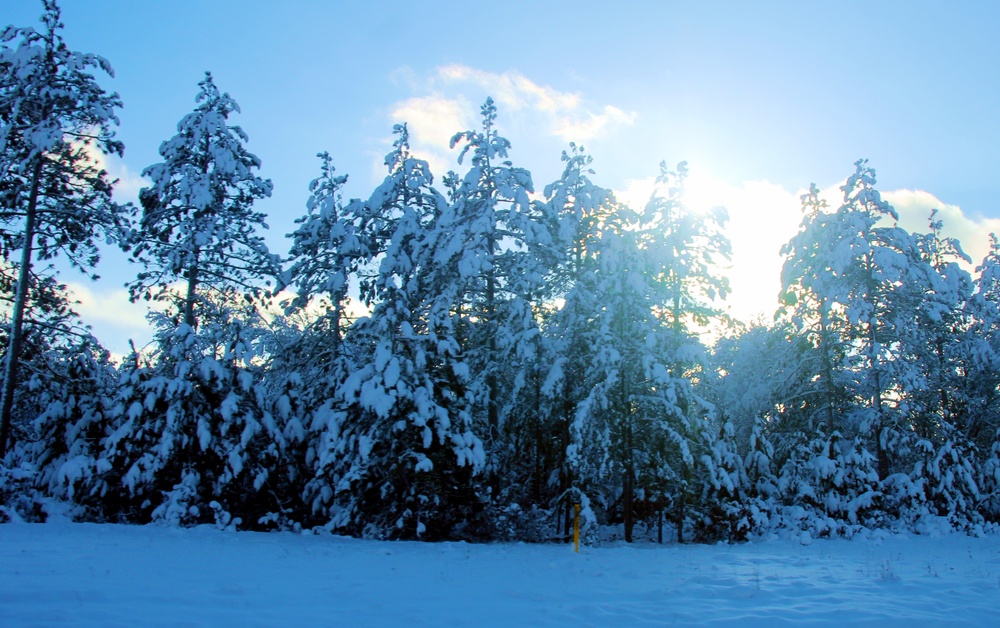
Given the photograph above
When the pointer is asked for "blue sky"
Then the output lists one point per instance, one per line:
(761, 100)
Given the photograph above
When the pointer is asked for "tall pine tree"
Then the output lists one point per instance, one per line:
(55, 196)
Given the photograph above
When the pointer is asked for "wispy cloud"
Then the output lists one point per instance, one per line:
(447, 101)
(128, 183)
(113, 318)
(431, 122)
(512, 89)
(592, 124)
(914, 209)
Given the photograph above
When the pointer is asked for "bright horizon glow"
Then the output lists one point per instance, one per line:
(760, 100)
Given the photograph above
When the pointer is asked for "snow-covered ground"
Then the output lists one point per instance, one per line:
(106, 575)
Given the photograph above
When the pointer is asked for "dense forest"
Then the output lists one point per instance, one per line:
(468, 357)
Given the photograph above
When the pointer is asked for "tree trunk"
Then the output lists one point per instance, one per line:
(681, 499)
(628, 485)
(191, 294)
(566, 438)
(880, 426)
(492, 411)
(628, 501)
(826, 351)
(627, 504)
(17, 315)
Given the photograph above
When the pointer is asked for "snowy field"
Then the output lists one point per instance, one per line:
(105, 575)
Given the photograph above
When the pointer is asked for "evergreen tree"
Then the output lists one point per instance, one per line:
(497, 239)
(685, 252)
(981, 366)
(982, 378)
(725, 500)
(581, 208)
(66, 448)
(52, 331)
(55, 197)
(809, 294)
(326, 249)
(763, 374)
(198, 223)
(829, 486)
(61, 410)
(872, 259)
(400, 452)
(195, 439)
(631, 433)
(847, 281)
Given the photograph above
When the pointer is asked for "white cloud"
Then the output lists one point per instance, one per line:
(107, 306)
(128, 182)
(113, 318)
(431, 122)
(512, 89)
(448, 105)
(593, 125)
(914, 209)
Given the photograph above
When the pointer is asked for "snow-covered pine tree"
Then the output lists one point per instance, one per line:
(982, 377)
(60, 411)
(758, 382)
(399, 456)
(830, 486)
(326, 249)
(295, 350)
(809, 297)
(763, 374)
(871, 260)
(629, 440)
(685, 252)
(325, 256)
(935, 325)
(498, 241)
(66, 447)
(816, 403)
(724, 498)
(198, 224)
(762, 485)
(845, 286)
(581, 209)
(945, 481)
(688, 250)
(55, 196)
(855, 286)
(195, 441)
(51, 332)
(937, 341)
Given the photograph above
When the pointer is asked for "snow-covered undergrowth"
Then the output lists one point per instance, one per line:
(89, 574)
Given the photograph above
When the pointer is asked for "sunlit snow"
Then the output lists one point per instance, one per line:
(88, 574)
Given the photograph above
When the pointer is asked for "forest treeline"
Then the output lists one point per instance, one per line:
(469, 357)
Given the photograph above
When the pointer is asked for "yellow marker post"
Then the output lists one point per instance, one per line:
(576, 528)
